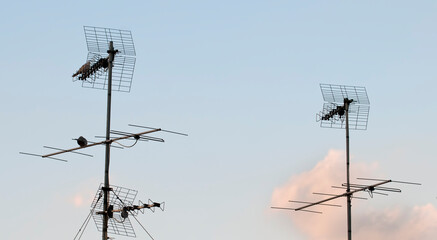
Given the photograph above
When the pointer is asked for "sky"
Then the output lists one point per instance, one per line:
(241, 78)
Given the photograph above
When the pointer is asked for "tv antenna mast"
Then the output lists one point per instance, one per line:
(110, 65)
(101, 41)
(346, 107)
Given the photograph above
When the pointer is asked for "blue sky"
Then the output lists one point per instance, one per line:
(241, 78)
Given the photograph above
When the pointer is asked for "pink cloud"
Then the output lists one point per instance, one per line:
(400, 222)
(419, 222)
(83, 193)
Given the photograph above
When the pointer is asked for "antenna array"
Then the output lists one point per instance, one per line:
(110, 66)
(345, 107)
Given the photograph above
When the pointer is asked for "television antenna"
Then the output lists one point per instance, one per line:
(110, 65)
(346, 107)
(105, 46)
(335, 114)
(121, 206)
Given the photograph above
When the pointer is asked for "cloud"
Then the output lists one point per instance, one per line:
(394, 222)
(82, 195)
(78, 200)
(419, 222)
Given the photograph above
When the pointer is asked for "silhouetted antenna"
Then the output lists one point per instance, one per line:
(346, 107)
(110, 65)
(371, 189)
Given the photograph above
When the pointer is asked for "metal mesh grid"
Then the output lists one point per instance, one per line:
(337, 93)
(126, 195)
(116, 225)
(97, 40)
(121, 226)
(358, 117)
(122, 74)
(334, 96)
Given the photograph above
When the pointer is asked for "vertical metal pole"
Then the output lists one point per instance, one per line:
(349, 205)
(106, 188)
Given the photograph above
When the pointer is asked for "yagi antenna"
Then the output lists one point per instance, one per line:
(121, 207)
(110, 65)
(345, 107)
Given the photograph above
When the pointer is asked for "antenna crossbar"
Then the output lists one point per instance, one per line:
(102, 142)
(397, 190)
(342, 195)
(60, 149)
(329, 194)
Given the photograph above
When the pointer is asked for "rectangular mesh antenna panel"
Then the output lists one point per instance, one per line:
(121, 226)
(97, 40)
(126, 195)
(122, 73)
(334, 96)
(337, 93)
(118, 197)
